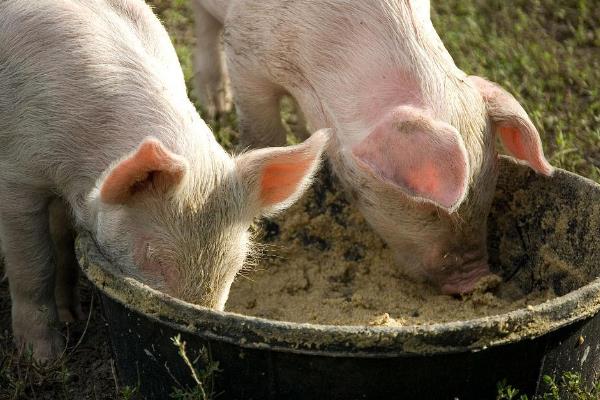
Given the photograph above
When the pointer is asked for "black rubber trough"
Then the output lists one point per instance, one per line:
(267, 359)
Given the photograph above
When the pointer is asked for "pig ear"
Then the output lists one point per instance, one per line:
(277, 176)
(423, 157)
(513, 126)
(150, 166)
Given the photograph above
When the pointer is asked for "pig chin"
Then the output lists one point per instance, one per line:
(211, 295)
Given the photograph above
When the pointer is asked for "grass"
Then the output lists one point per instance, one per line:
(202, 370)
(75, 375)
(545, 52)
(23, 377)
(84, 371)
(569, 387)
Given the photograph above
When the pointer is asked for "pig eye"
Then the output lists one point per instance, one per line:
(152, 257)
(151, 254)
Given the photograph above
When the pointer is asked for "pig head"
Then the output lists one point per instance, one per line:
(413, 136)
(111, 139)
(427, 189)
(181, 224)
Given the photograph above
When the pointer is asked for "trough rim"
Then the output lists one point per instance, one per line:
(340, 340)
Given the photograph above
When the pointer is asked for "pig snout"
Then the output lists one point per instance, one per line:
(460, 273)
(451, 272)
(465, 279)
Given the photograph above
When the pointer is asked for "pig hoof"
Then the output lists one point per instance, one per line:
(44, 349)
(71, 314)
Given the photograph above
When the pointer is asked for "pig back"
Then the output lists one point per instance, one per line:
(78, 84)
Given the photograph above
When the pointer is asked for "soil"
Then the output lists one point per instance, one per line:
(322, 264)
(85, 371)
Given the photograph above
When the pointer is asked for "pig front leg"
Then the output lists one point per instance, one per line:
(257, 105)
(66, 290)
(26, 242)
(300, 128)
(209, 72)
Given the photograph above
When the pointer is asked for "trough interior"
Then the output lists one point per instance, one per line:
(321, 263)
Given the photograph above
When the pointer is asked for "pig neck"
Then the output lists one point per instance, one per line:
(443, 95)
(373, 87)
(381, 55)
(355, 116)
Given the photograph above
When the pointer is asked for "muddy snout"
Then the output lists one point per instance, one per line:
(460, 274)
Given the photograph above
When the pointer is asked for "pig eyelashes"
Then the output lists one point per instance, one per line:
(151, 255)
(144, 251)
(149, 261)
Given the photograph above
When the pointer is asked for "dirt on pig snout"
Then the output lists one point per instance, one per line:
(321, 263)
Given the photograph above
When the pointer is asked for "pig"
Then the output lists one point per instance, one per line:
(96, 128)
(413, 136)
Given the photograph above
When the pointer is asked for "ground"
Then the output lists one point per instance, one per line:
(546, 52)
